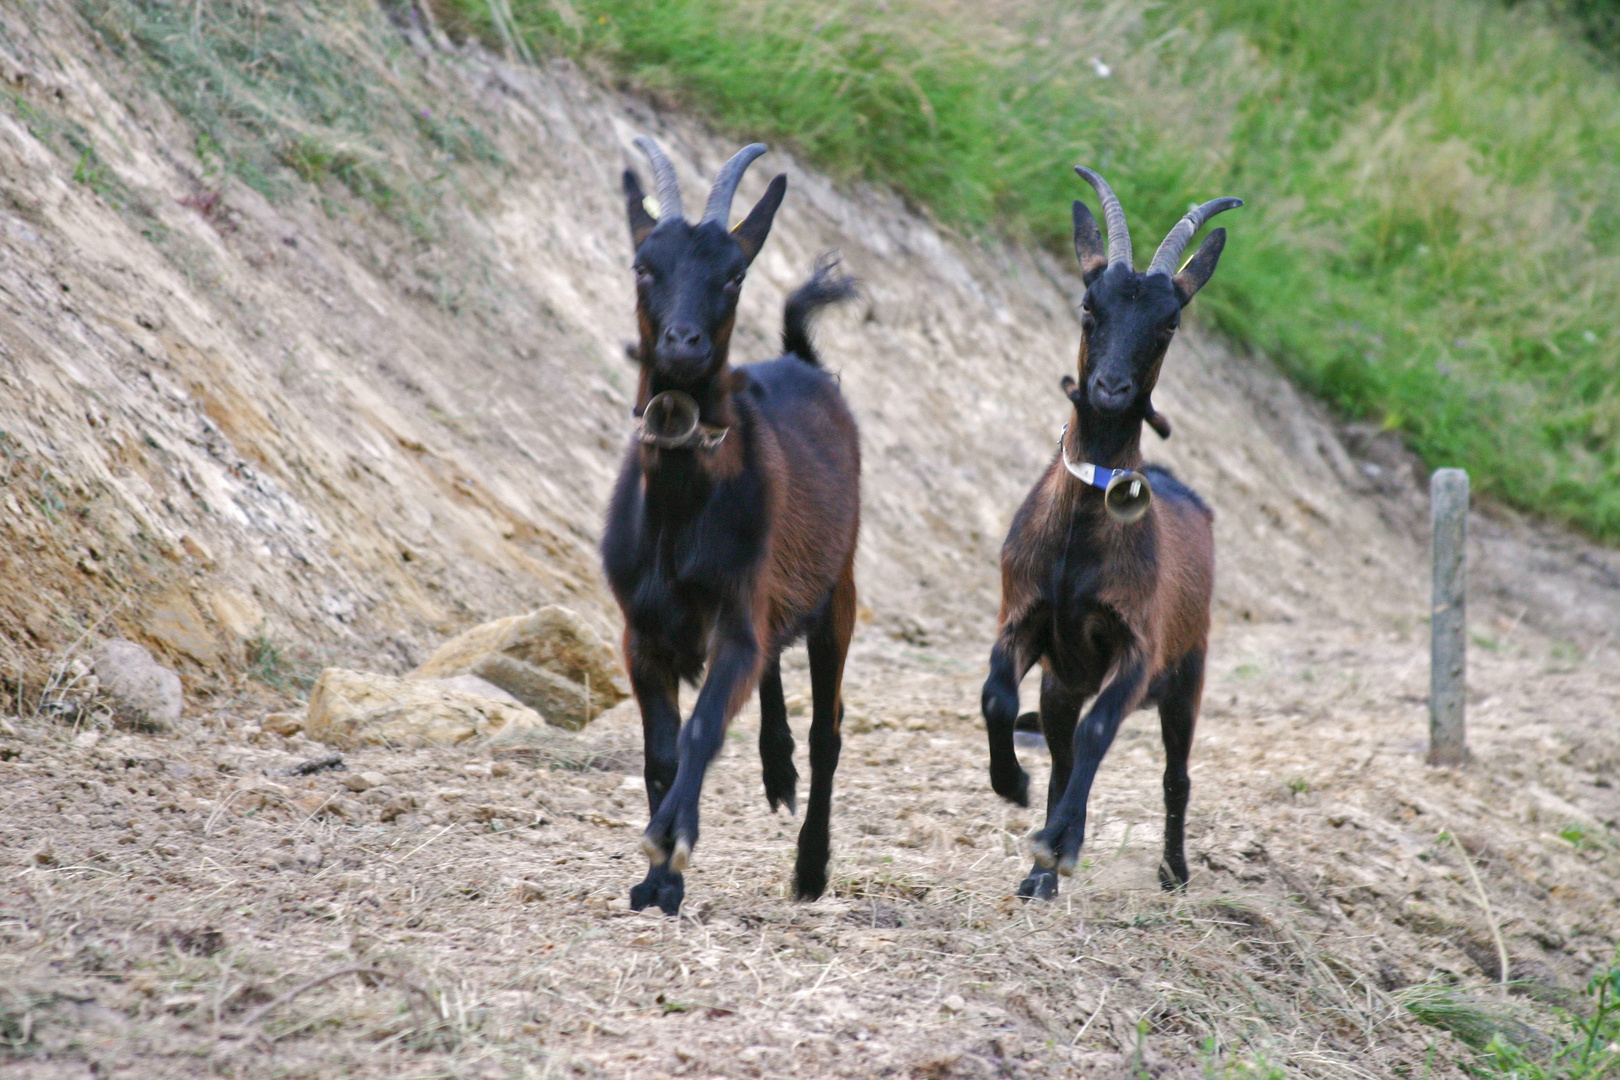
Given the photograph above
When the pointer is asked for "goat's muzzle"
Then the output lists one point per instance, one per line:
(672, 421)
(1127, 497)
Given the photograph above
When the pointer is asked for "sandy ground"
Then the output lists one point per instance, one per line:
(161, 896)
(227, 441)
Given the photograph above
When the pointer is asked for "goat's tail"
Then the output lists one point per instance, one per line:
(826, 286)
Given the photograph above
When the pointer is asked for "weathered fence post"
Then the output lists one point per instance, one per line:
(1448, 624)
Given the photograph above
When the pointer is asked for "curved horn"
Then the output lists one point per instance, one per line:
(669, 187)
(1119, 237)
(718, 208)
(1169, 253)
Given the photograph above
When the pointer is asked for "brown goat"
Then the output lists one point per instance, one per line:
(1107, 571)
(731, 531)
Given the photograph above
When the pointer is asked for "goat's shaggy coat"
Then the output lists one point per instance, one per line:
(1111, 610)
(721, 556)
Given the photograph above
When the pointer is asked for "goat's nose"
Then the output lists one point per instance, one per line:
(1114, 387)
(683, 336)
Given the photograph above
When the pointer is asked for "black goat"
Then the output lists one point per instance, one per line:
(731, 531)
(1107, 571)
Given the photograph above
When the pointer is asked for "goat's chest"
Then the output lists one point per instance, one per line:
(682, 570)
(1089, 594)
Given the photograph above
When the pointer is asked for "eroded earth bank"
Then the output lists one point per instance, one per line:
(266, 435)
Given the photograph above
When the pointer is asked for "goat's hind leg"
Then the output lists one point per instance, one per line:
(1178, 716)
(660, 723)
(776, 741)
(829, 644)
(1060, 712)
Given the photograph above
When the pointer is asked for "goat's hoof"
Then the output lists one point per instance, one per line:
(680, 856)
(1171, 881)
(662, 889)
(1042, 885)
(809, 884)
(1015, 790)
(787, 796)
(1042, 853)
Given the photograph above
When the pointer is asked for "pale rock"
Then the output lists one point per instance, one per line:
(283, 724)
(355, 708)
(472, 684)
(142, 693)
(550, 660)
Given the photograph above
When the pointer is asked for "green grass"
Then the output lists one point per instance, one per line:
(280, 95)
(1510, 1049)
(1432, 238)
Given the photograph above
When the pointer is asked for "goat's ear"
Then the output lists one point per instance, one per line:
(754, 228)
(1088, 243)
(641, 222)
(1198, 271)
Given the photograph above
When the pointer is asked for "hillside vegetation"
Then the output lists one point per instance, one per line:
(1432, 236)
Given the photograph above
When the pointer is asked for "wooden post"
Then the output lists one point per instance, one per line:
(1448, 622)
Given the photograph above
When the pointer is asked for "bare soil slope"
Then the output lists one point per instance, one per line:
(263, 435)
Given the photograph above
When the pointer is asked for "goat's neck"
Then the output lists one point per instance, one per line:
(1113, 442)
(713, 395)
(679, 482)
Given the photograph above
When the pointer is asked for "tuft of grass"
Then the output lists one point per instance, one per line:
(1432, 235)
(268, 664)
(1510, 1049)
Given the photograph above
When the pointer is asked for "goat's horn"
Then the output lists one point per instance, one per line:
(1119, 237)
(718, 207)
(669, 186)
(1169, 253)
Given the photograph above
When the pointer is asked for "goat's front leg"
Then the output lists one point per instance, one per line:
(733, 671)
(1014, 653)
(654, 687)
(1058, 844)
(1060, 713)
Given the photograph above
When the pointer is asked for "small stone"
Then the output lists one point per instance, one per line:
(500, 769)
(953, 1003)
(285, 724)
(528, 892)
(374, 779)
(143, 694)
(85, 740)
(397, 806)
(357, 782)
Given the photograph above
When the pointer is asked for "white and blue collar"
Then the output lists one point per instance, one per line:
(1085, 471)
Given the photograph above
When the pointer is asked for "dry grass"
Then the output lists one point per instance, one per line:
(170, 912)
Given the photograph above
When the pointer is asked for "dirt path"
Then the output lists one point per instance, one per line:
(148, 911)
(259, 448)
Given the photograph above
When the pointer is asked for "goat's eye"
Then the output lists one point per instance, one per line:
(735, 284)
(643, 272)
